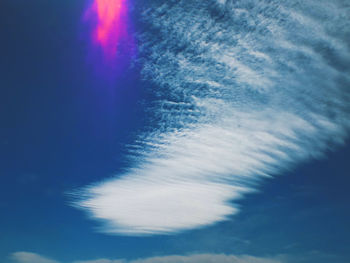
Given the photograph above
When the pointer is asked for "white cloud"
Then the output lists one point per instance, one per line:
(27, 257)
(241, 96)
(312, 256)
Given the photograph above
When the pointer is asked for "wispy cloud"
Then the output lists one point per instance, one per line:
(246, 89)
(196, 258)
(28, 257)
(312, 256)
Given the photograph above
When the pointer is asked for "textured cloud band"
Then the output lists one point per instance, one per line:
(27, 257)
(245, 89)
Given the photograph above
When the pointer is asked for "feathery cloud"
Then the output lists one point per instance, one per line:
(26, 257)
(246, 89)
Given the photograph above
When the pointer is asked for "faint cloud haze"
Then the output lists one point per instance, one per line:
(26, 257)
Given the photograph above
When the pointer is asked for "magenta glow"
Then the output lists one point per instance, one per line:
(110, 26)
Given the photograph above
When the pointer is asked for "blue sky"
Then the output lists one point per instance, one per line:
(225, 141)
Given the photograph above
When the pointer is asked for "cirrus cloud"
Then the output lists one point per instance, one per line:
(245, 90)
(27, 257)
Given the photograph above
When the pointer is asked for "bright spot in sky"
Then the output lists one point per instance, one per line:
(111, 24)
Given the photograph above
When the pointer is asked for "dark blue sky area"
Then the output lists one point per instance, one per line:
(63, 126)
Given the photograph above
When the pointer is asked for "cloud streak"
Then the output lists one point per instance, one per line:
(245, 90)
(26, 257)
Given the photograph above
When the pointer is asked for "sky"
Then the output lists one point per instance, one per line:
(137, 131)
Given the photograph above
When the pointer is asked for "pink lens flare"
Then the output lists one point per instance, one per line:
(111, 25)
